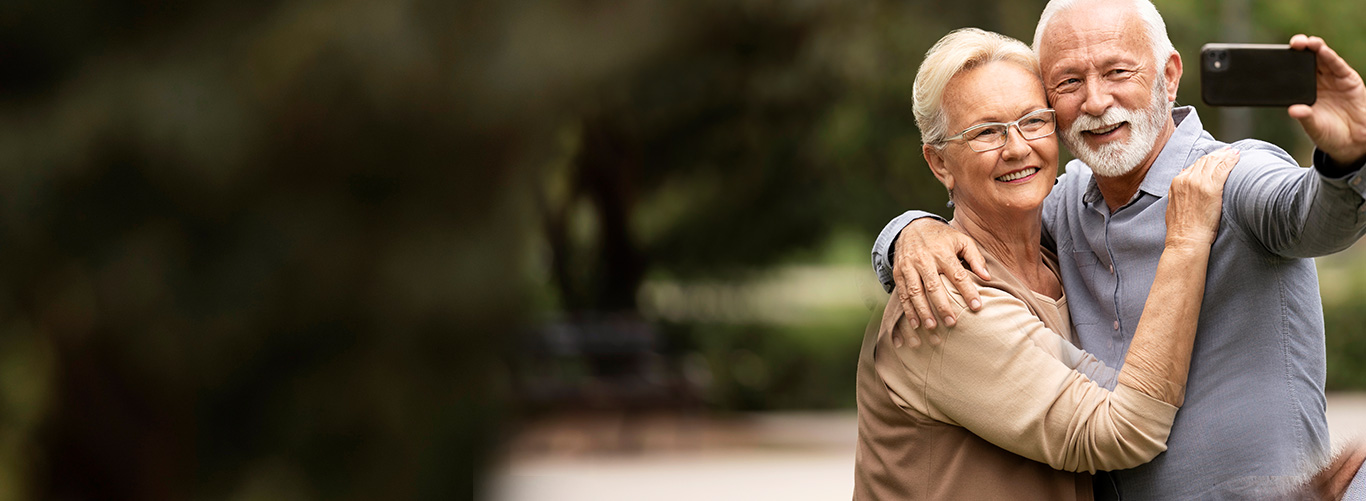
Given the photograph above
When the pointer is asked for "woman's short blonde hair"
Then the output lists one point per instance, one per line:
(961, 50)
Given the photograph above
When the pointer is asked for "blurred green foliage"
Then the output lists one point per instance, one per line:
(283, 249)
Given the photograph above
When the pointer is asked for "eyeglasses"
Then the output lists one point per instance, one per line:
(992, 135)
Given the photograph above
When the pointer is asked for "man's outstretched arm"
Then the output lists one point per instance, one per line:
(1308, 214)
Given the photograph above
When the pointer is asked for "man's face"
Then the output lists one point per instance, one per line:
(1100, 75)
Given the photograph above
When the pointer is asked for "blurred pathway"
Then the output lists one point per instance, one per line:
(789, 456)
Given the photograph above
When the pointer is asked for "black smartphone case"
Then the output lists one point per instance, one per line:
(1256, 75)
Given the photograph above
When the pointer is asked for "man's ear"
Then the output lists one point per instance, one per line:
(1172, 70)
(935, 158)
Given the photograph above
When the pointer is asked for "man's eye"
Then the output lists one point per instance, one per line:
(1033, 122)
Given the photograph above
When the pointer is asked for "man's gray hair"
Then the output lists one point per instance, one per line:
(1152, 23)
(959, 51)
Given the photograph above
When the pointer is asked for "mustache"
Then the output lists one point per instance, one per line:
(1112, 116)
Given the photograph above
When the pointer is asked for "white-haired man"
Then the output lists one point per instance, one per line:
(1253, 422)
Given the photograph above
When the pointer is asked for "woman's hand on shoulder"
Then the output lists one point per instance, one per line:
(1195, 201)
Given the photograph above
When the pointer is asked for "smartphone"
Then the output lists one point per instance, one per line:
(1256, 75)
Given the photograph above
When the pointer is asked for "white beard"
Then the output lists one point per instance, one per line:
(1118, 158)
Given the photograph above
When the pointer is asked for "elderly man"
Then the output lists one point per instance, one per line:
(1253, 421)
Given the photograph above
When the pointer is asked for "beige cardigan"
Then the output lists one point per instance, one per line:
(997, 409)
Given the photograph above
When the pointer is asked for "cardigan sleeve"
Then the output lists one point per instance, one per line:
(1000, 375)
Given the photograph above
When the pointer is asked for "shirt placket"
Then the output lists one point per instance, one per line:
(1114, 341)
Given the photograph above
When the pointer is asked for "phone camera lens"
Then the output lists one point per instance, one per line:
(1217, 60)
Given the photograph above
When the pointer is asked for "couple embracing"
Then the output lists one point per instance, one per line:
(1148, 328)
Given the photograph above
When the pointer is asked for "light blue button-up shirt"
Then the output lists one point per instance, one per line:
(1253, 417)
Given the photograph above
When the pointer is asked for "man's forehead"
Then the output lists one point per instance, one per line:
(1101, 35)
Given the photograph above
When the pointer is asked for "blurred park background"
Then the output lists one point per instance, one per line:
(358, 249)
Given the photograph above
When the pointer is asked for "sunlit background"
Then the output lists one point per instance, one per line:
(519, 249)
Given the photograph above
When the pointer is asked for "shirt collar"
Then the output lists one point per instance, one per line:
(1175, 154)
(1170, 161)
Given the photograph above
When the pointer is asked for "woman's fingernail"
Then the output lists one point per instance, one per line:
(976, 304)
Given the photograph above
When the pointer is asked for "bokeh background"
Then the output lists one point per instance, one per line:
(359, 249)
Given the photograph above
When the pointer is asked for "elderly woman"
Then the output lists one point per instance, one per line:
(1004, 406)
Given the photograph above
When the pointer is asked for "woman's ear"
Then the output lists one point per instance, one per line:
(935, 158)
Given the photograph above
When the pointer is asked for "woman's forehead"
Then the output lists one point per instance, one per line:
(994, 92)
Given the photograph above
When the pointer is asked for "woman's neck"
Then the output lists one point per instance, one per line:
(1014, 241)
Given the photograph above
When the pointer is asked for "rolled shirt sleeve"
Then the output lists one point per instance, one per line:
(1000, 374)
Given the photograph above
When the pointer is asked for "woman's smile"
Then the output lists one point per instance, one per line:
(1019, 176)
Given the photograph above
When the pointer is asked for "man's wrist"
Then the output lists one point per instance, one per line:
(1332, 168)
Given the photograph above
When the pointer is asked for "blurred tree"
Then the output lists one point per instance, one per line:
(754, 130)
(252, 249)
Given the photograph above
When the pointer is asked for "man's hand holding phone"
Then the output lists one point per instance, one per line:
(1337, 120)
(1319, 88)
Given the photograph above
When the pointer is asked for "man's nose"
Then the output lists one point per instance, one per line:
(1098, 98)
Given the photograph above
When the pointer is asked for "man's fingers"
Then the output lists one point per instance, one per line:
(1305, 116)
(899, 281)
(1300, 111)
(921, 309)
(908, 305)
(933, 290)
(913, 300)
(904, 333)
(1329, 61)
(940, 302)
(976, 261)
(962, 280)
(908, 289)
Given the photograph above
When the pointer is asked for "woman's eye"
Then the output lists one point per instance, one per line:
(984, 133)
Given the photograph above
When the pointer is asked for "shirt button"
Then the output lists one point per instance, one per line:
(1355, 182)
(1116, 324)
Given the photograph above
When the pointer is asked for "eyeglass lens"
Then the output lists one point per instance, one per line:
(1032, 126)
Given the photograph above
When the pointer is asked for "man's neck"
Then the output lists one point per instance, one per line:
(1119, 190)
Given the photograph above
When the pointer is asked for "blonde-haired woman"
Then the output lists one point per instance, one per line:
(1004, 406)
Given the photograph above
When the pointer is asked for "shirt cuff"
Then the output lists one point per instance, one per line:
(885, 245)
(1332, 170)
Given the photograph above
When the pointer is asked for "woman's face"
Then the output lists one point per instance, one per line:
(1008, 180)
